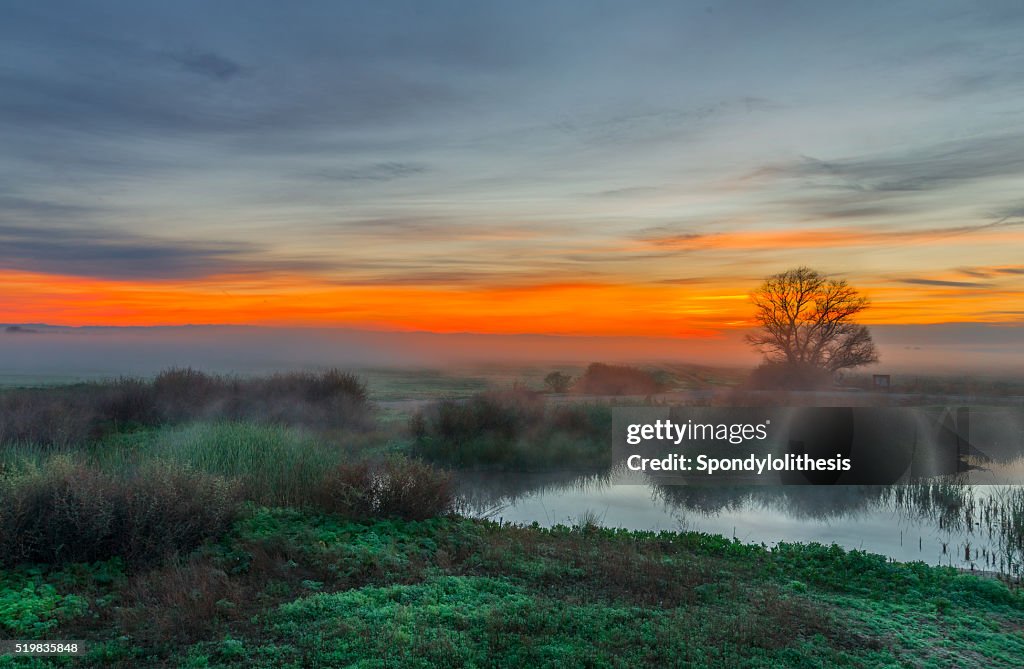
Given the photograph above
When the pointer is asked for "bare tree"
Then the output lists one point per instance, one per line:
(806, 323)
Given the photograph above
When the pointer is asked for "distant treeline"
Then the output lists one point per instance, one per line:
(78, 414)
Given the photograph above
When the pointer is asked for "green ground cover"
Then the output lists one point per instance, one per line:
(290, 589)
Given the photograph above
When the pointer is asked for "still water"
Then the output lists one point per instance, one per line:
(941, 522)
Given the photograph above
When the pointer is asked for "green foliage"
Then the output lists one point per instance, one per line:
(29, 607)
(287, 588)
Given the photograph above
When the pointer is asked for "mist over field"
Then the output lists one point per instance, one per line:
(35, 351)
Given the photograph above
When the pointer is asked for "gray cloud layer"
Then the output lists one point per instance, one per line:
(187, 139)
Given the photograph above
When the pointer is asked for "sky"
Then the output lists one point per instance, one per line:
(575, 168)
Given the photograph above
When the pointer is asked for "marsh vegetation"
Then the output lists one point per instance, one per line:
(194, 520)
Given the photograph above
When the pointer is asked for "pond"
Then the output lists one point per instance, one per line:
(940, 522)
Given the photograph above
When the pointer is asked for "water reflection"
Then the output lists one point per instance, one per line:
(950, 521)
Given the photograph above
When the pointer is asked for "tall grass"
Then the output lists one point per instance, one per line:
(275, 465)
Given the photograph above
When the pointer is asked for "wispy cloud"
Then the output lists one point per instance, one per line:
(209, 64)
(387, 171)
(914, 281)
(111, 254)
(924, 167)
(825, 237)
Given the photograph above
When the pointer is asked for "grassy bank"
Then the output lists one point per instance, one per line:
(290, 589)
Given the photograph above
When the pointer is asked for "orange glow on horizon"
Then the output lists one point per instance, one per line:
(577, 308)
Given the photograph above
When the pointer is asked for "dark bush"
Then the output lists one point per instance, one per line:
(77, 414)
(400, 488)
(178, 601)
(512, 429)
(346, 490)
(412, 490)
(329, 399)
(72, 415)
(184, 393)
(557, 382)
(601, 379)
(47, 417)
(69, 512)
(124, 403)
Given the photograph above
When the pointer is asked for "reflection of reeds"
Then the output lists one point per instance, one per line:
(983, 526)
(484, 493)
(946, 503)
(1004, 516)
(803, 502)
(997, 516)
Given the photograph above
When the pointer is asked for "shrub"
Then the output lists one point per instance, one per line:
(601, 379)
(50, 417)
(512, 429)
(328, 399)
(183, 393)
(780, 375)
(179, 601)
(346, 490)
(124, 403)
(67, 511)
(77, 414)
(167, 509)
(412, 490)
(557, 382)
(400, 488)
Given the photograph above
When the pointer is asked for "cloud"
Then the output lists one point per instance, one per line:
(975, 272)
(388, 171)
(989, 272)
(941, 282)
(462, 277)
(209, 64)
(835, 237)
(688, 281)
(926, 167)
(112, 254)
(22, 207)
(628, 191)
(1014, 211)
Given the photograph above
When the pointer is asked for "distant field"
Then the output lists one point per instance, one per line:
(389, 384)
